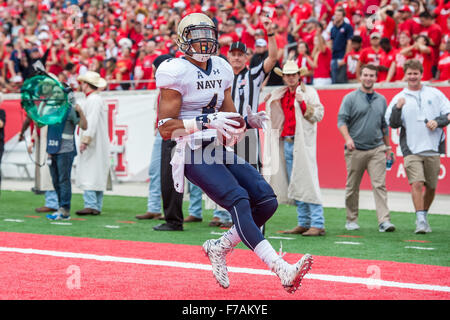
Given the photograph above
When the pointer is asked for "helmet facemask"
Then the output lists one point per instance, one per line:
(203, 35)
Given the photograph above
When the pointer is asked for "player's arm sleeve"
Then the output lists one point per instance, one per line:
(229, 77)
(167, 78)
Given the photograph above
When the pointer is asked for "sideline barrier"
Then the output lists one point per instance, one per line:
(131, 130)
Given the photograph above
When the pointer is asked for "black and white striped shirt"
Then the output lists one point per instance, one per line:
(245, 91)
(246, 88)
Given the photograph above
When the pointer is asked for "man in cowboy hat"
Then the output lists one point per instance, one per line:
(290, 149)
(93, 163)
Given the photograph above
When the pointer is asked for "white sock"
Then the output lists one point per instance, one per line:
(233, 236)
(266, 253)
(421, 214)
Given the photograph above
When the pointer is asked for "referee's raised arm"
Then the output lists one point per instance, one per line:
(271, 59)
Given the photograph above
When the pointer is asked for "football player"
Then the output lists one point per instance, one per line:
(195, 108)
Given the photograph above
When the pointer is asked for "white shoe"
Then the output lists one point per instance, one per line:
(386, 226)
(422, 226)
(351, 226)
(290, 275)
(216, 251)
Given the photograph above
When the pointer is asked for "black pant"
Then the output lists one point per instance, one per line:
(172, 200)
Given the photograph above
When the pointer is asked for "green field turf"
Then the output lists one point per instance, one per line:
(120, 211)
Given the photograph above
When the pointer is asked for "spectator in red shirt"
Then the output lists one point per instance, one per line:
(370, 55)
(443, 73)
(403, 53)
(422, 51)
(386, 25)
(301, 12)
(228, 37)
(406, 23)
(386, 59)
(281, 19)
(124, 69)
(434, 33)
(442, 12)
(308, 32)
(304, 60)
(321, 61)
(360, 28)
(351, 58)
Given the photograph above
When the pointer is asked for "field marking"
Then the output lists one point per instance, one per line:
(112, 227)
(62, 223)
(12, 220)
(280, 238)
(419, 248)
(187, 265)
(348, 242)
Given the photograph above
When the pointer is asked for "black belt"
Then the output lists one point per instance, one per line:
(289, 139)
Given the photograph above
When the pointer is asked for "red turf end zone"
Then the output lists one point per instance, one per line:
(46, 276)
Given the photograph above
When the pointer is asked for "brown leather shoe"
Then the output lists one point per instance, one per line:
(149, 215)
(296, 230)
(88, 211)
(215, 222)
(314, 232)
(192, 219)
(45, 209)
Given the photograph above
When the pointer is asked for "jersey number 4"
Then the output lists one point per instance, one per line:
(211, 107)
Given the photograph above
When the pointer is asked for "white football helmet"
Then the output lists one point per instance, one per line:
(197, 28)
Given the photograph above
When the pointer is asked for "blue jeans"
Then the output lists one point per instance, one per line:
(308, 214)
(61, 170)
(338, 74)
(195, 200)
(51, 199)
(93, 199)
(154, 172)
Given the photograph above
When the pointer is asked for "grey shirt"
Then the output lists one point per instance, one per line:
(67, 141)
(364, 118)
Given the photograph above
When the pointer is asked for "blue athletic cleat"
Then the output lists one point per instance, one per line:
(58, 216)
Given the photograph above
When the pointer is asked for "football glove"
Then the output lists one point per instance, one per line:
(221, 122)
(257, 120)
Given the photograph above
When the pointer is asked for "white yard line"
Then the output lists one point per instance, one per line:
(419, 248)
(187, 265)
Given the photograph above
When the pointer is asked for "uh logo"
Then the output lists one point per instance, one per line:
(118, 136)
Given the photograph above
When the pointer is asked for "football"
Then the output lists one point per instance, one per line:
(234, 139)
(241, 121)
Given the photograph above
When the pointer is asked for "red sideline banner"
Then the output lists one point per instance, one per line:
(330, 148)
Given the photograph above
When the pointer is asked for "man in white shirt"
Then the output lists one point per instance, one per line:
(421, 112)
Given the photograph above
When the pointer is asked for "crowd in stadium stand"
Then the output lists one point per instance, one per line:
(120, 39)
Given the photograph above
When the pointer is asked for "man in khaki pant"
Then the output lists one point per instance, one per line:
(362, 124)
(422, 113)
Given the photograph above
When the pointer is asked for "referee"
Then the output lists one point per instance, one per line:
(246, 89)
(245, 92)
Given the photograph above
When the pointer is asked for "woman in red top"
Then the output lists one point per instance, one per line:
(304, 60)
(321, 61)
(424, 53)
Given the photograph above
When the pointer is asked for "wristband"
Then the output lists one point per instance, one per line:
(202, 121)
(271, 35)
(191, 125)
(247, 124)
